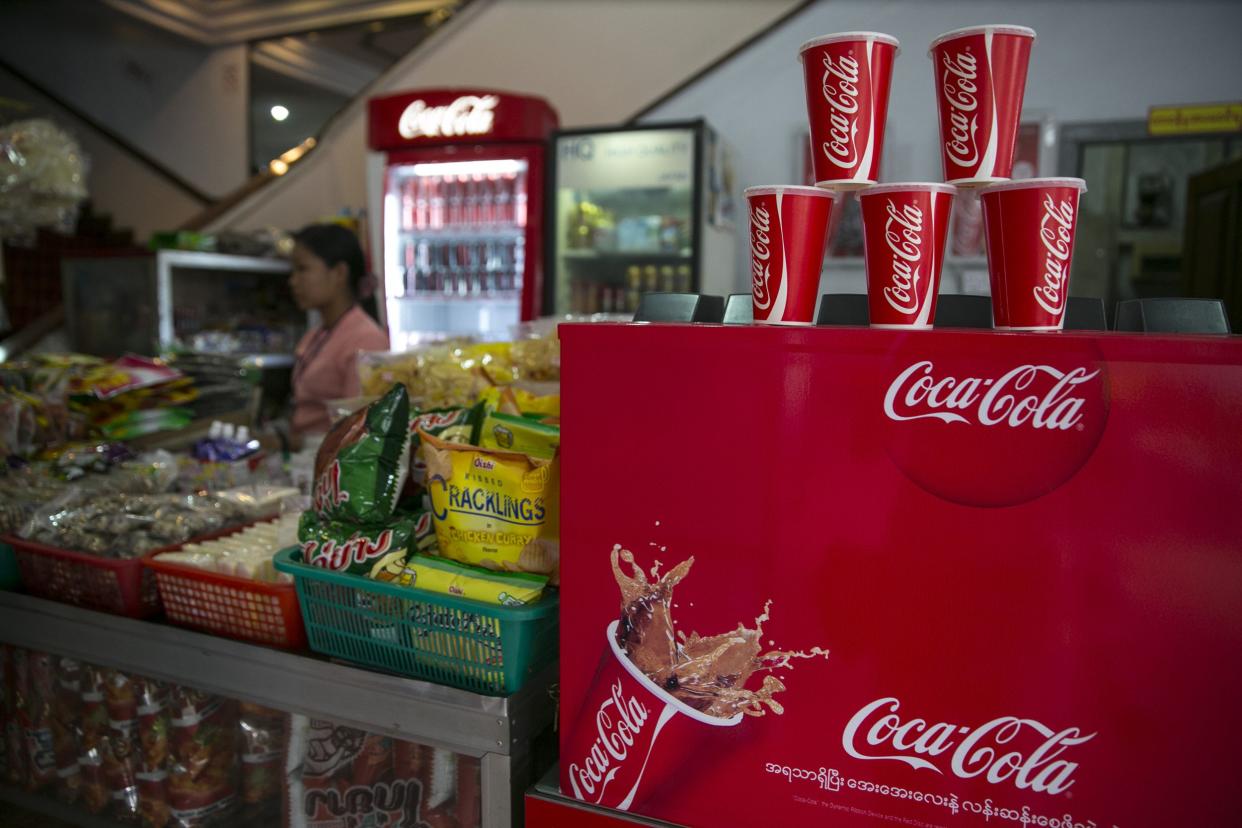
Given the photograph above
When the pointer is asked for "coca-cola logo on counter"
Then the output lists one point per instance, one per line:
(468, 115)
(1009, 749)
(988, 432)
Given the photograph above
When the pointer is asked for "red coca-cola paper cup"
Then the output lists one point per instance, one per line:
(789, 227)
(614, 746)
(904, 231)
(847, 80)
(980, 80)
(1029, 227)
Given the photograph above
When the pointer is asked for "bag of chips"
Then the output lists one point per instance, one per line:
(492, 508)
(66, 710)
(510, 589)
(453, 425)
(263, 736)
(202, 774)
(519, 433)
(371, 551)
(362, 464)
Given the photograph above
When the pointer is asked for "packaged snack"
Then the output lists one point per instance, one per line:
(34, 690)
(121, 751)
(440, 374)
(92, 740)
(153, 751)
(453, 425)
(362, 463)
(510, 589)
(340, 777)
(519, 401)
(372, 551)
(202, 773)
(263, 736)
(518, 433)
(491, 507)
(66, 710)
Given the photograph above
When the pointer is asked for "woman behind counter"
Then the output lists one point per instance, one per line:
(328, 270)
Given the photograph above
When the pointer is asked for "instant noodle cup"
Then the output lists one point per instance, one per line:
(362, 463)
(492, 508)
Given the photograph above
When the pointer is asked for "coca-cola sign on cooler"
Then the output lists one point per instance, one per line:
(1019, 551)
(904, 231)
(847, 79)
(789, 228)
(1029, 229)
(980, 75)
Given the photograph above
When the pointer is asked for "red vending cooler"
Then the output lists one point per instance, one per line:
(875, 577)
(456, 179)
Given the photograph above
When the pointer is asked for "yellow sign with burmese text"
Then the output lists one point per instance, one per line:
(1194, 119)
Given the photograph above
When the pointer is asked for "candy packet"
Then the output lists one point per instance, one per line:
(435, 574)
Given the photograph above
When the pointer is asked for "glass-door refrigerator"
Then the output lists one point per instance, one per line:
(638, 209)
(456, 179)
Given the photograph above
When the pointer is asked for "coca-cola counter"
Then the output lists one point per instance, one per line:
(841, 576)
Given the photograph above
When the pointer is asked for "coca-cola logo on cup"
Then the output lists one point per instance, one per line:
(959, 86)
(998, 429)
(618, 722)
(903, 231)
(1056, 232)
(840, 88)
(1009, 749)
(760, 253)
(468, 115)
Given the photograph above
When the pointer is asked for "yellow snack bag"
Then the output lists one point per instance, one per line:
(492, 508)
(510, 400)
(510, 589)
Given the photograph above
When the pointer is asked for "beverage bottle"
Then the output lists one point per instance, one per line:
(407, 204)
(454, 199)
(487, 203)
(519, 200)
(435, 198)
(420, 202)
(682, 282)
(634, 283)
(651, 279)
(410, 272)
(668, 281)
(504, 199)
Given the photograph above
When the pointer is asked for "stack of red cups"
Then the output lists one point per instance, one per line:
(980, 76)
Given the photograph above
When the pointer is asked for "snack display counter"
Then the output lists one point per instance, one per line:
(501, 732)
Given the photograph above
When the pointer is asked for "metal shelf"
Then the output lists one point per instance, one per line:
(51, 808)
(500, 730)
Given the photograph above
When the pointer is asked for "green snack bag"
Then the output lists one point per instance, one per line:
(453, 425)
(377, 551)
(362, 465)
(529, 436)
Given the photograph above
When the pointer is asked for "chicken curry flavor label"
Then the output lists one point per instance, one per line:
(488, 506)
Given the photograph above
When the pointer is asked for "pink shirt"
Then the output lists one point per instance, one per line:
(327, 367)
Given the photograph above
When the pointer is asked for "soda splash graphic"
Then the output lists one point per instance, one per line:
(707, 673)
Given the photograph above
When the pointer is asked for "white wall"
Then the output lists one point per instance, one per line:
(120, 186)
(598, 62)
(179, 102)
(1092, 61)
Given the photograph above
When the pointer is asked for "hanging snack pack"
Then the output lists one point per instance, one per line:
(491, 508)
(362, 463)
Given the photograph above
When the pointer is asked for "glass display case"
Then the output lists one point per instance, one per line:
(636, 210)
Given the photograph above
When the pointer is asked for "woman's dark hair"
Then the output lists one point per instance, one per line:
(335, 244)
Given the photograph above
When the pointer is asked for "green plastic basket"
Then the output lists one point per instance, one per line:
(469, 644)
(10, 575)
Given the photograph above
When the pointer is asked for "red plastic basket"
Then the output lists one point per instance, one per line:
(118, 586)
(230, 606)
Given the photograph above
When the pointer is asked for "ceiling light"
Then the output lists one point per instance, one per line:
(279, 113)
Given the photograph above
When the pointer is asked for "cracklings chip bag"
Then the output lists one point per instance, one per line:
(362, 464)
(491, 508)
